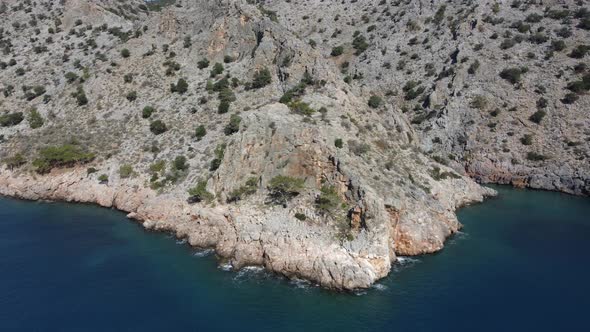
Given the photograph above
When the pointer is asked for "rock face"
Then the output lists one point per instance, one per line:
(379, 116)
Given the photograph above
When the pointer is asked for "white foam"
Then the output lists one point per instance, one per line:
(301, 283)
(181, 241)
(226, 266)
(405, 260)
(379, 287)
(203, 252)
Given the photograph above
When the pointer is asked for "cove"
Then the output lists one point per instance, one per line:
(520, 264)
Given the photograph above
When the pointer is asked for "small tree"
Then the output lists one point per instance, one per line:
(223, 107)
(233, 125)
(375, 101)
(262, 78)
(147, 112)
(202, 64)
(337, 51)
(248, 189)
(158, 127)
(284, 188)
(180, 163)
(80, 96)
(538, 116)
(217, 69)
(200, 132)
(35, 119)
(199, 193)
(328, 199)
(181, 86)
(125, 53)
(71, 77)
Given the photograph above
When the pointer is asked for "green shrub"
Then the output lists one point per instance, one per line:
(580, 86)
(527, 139)
(131, 96)
(35, 119)
(15, 161)
(300, 216)
(375, 101)
(228, 59)
(11, 119)
(283, 188)
(217, 69)
(61, 156)
(181, 86)
(71, 77)
(533, 156)
(147, 112)
(337, 51)
(579, 52)
(479, 102)
(473, 67)
(301, 107)
(200, 132)
(158, 167)
(338, 143)
(262, 78)
(180, 163)
(359, 43)
(202, 64)
(128, 78)
(233, 126)
(328, 200)
(80, 96)
(557, 45)
(223, 107)
(513, 75)
(187, 43)
(570, 98)
(199, 193)
(219, 154)
(125, 53)
(126, 171)
(249, 188)
(437, 175)
(103, 178)
(538, 116)
(158, 127)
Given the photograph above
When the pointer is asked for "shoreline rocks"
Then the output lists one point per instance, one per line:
(242, 235)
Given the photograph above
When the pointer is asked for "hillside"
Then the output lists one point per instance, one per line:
(318, 139)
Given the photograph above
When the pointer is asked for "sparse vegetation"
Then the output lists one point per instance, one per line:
(11, 119)
(61, 156)
(284, 188)
(199, 193)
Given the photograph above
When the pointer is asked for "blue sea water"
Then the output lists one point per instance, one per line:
(522, 264)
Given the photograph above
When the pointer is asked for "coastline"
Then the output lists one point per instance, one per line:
(240, 235)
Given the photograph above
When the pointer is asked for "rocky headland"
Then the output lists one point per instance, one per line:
(318, 139)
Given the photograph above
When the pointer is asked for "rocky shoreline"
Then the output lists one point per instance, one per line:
(240, 235)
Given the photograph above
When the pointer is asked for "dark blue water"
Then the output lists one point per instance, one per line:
(522, 264)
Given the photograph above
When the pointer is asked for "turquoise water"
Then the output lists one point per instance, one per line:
(521, 264)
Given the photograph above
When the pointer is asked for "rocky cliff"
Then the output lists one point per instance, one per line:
(317, 139)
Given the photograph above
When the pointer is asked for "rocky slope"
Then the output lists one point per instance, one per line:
(315, 138)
